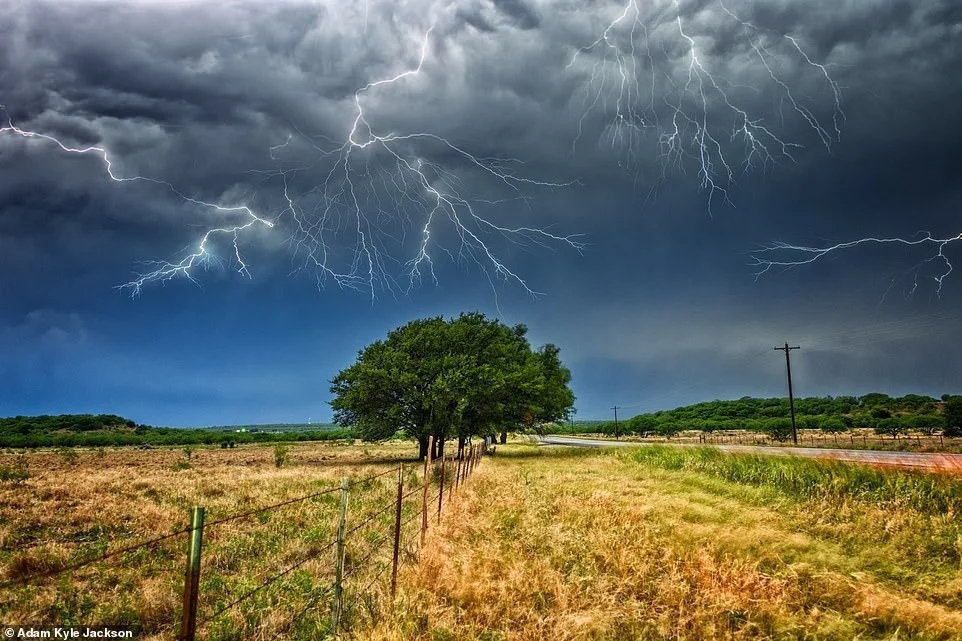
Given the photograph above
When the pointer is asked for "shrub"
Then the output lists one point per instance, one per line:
(832, 425)
(780, 429)
(280, 454)
(68, 454)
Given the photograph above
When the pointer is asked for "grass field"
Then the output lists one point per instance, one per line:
(659, 543)
(542, 543)
(75, 506)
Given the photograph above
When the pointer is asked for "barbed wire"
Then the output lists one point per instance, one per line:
(81, 564)
(46, 574)
(356, 566)
(269, 581)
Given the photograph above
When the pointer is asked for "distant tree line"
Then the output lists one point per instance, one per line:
(886, 414)
(106, 430)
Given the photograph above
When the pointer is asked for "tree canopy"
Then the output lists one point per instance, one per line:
(466, 376)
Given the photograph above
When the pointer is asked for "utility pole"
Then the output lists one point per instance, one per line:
(791, 399)
(615, 408)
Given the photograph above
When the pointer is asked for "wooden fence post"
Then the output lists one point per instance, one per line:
(457, 478)
(424, 498)
(397, 529)
(339, 562)
(188, 624)
(441, 489)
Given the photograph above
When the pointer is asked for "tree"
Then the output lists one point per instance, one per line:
(463, 377)
(832, 425)
(953, 416)
(891, 426)
(780, 429)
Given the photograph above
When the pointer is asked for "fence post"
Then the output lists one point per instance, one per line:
(339, 562)
(188, 624)
(457, 477)
(424, 497)
(397, 529)
(441, 490)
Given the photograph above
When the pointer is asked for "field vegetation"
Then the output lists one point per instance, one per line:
(654, 542)
(70, 509)
(668, 543)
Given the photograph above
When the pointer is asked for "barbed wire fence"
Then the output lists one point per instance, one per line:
(360, 543)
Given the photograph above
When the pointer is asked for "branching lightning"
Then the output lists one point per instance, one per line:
(376, 202)
(165, 271)
(414, 181)
(648, 73)
(786, 256)
(350, 201)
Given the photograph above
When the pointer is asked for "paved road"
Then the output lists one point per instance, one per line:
(915, 460)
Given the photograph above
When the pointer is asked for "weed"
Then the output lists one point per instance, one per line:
(280, 455)
(68, 454)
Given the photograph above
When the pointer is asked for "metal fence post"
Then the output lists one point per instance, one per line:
(339, 562)
(424, 498)
(441, 489)
(397, 529)
(188, 624)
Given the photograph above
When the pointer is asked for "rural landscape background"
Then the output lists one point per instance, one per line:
(481, 320)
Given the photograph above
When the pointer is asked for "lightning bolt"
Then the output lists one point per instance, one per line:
(414, 181)
(767, 258)
(164, 271)
(631, 75)
(371, 186)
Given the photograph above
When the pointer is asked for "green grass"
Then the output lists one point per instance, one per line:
(927, 493)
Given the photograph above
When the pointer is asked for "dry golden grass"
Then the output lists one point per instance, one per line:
(74, 508)
(560, 544)
(542, 543)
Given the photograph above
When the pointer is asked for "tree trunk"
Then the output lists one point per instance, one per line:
(504, 438)
(460, 447)
(422, 447)
(440, 447)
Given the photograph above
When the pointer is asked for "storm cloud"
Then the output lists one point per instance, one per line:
(667, 148)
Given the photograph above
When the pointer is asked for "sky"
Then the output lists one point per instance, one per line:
(207, 209)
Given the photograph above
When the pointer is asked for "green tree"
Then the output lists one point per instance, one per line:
(463, 377)
(832, 425)
(780, 429)
(953, 416)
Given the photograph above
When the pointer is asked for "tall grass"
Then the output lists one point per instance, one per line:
(930, 494)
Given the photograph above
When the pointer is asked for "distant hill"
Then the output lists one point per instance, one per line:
(885, 413)
(95, 430)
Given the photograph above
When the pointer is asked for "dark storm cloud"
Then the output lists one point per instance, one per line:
(197, 94)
